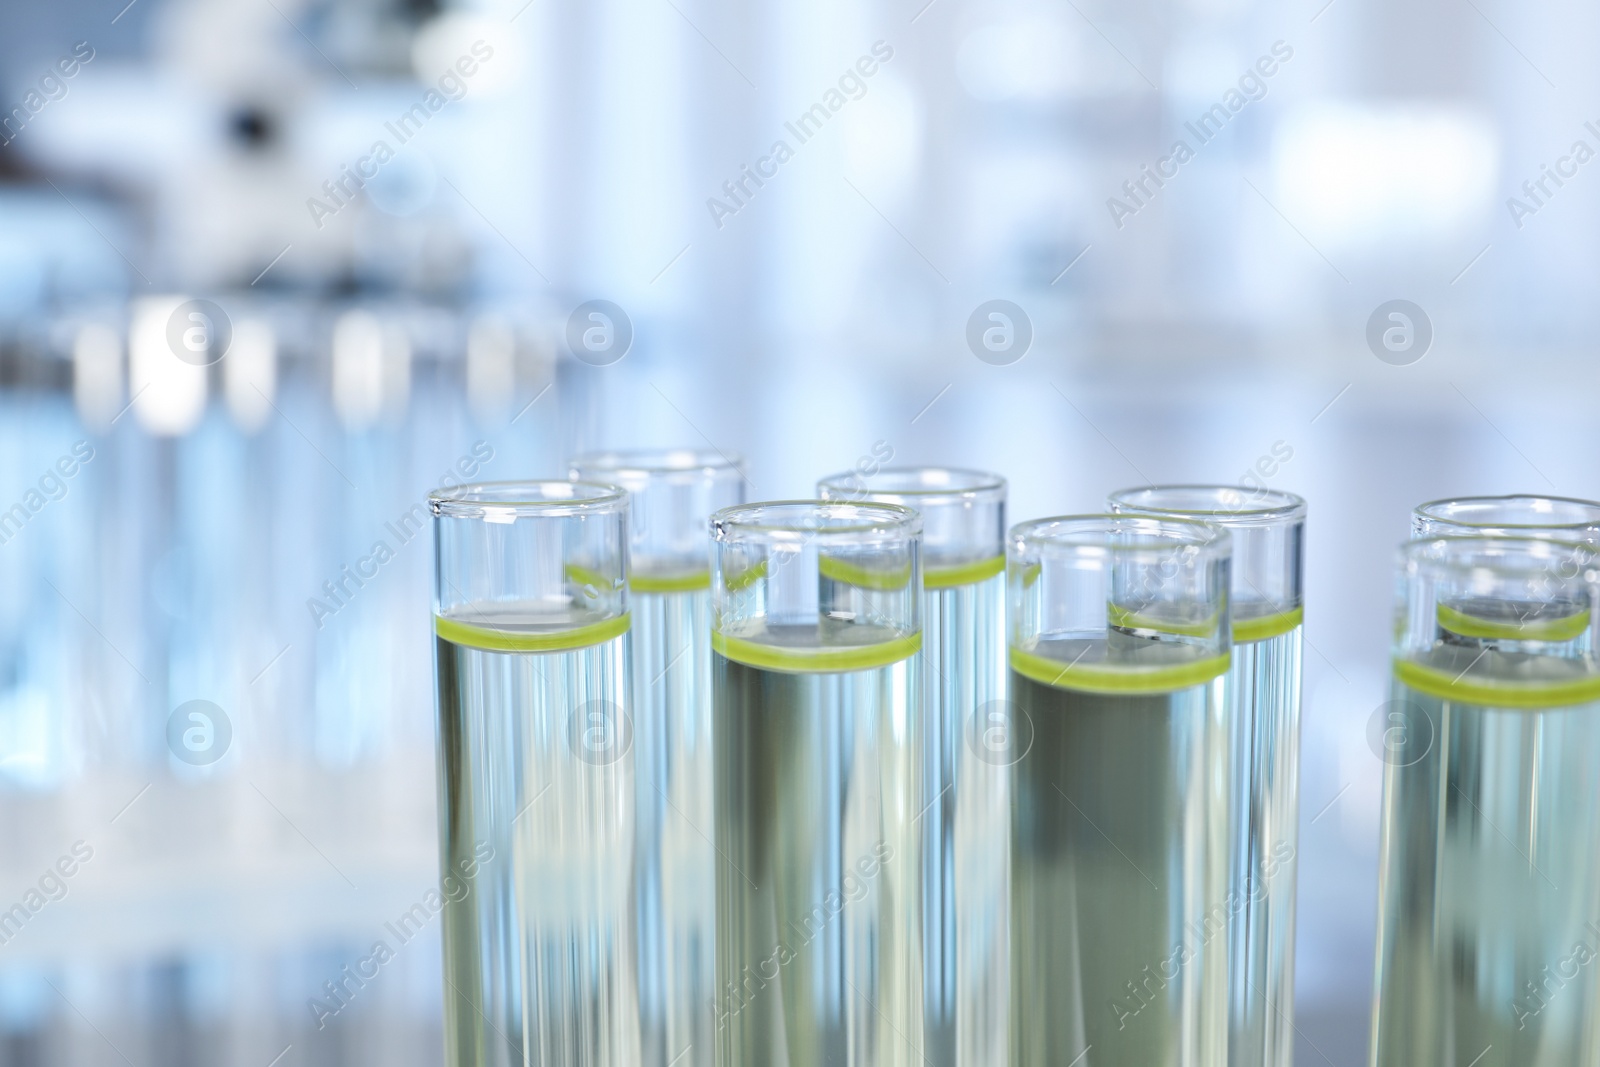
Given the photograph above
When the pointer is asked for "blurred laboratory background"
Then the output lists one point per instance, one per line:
(272, 269)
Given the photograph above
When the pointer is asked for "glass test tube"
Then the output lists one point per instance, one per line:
(672, 495)
(964, 809)
(816, 678)
(536, 775)
(1557, 517)
(1120, 906)
(1264, 685)
(1489, 893)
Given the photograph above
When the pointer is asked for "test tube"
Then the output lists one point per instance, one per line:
(1488, 883)
(963, 812)
(1120, 899)
(1562, 518)
(1264, 682)
(816, 678)
(672, 495)
(537, 774)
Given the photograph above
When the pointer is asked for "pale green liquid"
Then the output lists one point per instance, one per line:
(1119, 896)
(1264, 684)
(818, 912)
(677, 868)
(541, 958)
(1489, 896)
(964, 822)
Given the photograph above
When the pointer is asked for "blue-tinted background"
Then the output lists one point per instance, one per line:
(387, 337)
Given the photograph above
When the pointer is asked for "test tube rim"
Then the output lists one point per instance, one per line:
(1430, 552)
(1430, 512)
(653, 462)
(1098, 529)
(1286, 508)
(543, 498)
(737, 523)
(980, 485)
